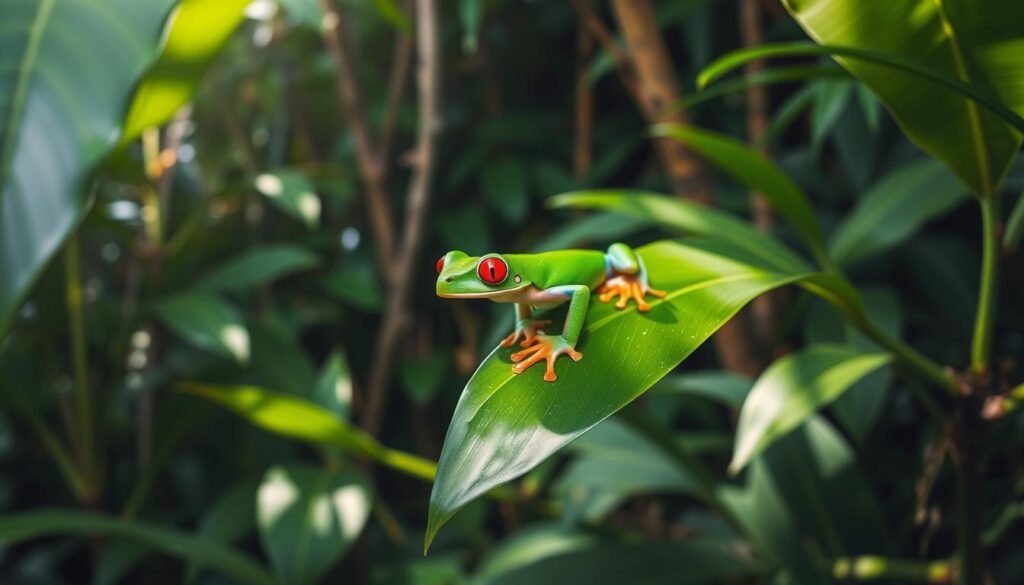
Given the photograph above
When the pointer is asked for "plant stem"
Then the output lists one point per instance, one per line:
(83, 394)
(909, 356)
(981, 348)
(867, 568)
(968, 494)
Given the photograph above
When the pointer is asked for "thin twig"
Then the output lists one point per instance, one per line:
(428, 78)
(599, 31)
(400, 64)
(583, 152)
(373, 174)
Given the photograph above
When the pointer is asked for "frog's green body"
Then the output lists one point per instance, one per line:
(543, 281)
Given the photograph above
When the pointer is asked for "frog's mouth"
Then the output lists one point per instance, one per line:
(496, 295)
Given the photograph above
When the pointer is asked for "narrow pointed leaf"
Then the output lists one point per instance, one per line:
(751, 168)
(293, 193)
(193, 36)
(792, 389)
(504, 424)
(207, 322)
(256, 267)
(894, 209)
(296, 418)
(68, 70)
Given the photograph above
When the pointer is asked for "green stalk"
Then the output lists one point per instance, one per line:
(83, 394)
(907, 355)
(981, 347)
(870, 568)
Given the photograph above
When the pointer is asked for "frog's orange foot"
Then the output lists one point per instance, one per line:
(628, 287)
(527, 330)
(544, 347)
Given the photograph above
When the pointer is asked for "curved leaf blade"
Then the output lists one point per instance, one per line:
(309, 517)
(752, 169)
(207, 322)
(15, 528)
(687, 218)
(504, 425)
(258, 266)
(894, 209)
(55, 127)
(194, 35)
(792, 389)
(296, 418)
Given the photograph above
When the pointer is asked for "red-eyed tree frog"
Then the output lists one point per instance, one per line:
(543, 281)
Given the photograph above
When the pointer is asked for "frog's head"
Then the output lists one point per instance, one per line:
(481, 277)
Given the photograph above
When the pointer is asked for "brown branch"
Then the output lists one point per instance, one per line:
(396, 88)
(765, 309)
(600, 32)
(372, 172)
(428, 77)
(583, 154)
(658, 89)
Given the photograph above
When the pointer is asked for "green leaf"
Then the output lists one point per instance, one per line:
(752, 169)
(119, 557)
(68, 69)
(421, 378)
(194, 34)
(548, 554)
(830, 98)
(393, 14)
(355, 283)
(792, 389)
(207, 322)
(687, 218)
(256, 267)
(297, 418)
(504, 424)
(308, 518)
(719, 386)
(293, 193)
(973, 48)
(805, 500)
(771, 76)
(614, 463)
(15, 528)
(333, 389)
(894, 209)
(231, 517)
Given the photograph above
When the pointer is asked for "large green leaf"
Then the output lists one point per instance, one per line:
(296, 418)
(504, 424)
(195, 32)
(207, 322)
(975, 41)
(792, 389)
(750, 167)
(308, 517)
(15, 528)
(894, 209)
(293, 193)
(67, 69)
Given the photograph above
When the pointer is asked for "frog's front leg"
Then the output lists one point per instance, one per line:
(527, 328)
(626, 279)
(549, 347)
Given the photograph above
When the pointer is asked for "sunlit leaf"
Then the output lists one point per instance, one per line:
(15, 528)
(894, 208)
(792, 389)
(750, 167)
(505, 424)
(297, 418)
(293, 193)
(194, 34)
(68, 69)
(309, 517)
(207, 322)
(256, 267)
(333, 388)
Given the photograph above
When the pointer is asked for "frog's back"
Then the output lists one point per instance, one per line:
(563, 267)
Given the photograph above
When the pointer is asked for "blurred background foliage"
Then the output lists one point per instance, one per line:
(223, 360)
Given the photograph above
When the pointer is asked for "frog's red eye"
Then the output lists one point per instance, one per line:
(492, 270)
(440, 264)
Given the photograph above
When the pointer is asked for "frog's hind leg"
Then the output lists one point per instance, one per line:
(626, 279)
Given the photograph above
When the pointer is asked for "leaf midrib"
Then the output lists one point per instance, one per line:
(21, 85)
(973, 116)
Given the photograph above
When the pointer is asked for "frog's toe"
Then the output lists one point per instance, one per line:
(547, 349)
(626, 287)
